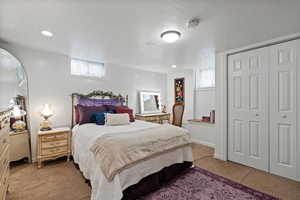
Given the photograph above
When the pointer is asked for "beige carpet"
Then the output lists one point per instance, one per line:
(59, 180)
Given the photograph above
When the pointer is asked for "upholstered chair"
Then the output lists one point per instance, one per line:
(178, 110)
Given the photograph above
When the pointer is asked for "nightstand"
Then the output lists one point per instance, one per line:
(19, 145)
(53, 144)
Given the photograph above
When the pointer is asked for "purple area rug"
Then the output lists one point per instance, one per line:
(199, 184)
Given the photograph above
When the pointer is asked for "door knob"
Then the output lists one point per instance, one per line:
(256, 114)
(284, 116)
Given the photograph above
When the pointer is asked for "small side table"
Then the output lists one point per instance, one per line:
(19, 145)
(53, 144)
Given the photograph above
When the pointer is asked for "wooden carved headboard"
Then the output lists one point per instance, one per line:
(97, 94)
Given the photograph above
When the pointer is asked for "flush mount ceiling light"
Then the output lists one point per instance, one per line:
(173, 66)
(47, 33)
(170, 36)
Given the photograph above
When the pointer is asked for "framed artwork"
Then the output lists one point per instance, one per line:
(179, 90)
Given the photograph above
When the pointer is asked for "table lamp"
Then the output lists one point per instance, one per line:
(17, 113)
(46, 114)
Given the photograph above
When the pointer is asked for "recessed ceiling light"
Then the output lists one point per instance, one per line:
(47, 33)
(170, 36)
(174, 66)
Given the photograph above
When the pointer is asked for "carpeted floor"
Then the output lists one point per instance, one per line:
(60, 180)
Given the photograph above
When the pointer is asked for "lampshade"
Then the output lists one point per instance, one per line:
(47, 112)
(17, 112)
(11, 103)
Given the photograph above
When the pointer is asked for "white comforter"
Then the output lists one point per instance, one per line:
(84, 137)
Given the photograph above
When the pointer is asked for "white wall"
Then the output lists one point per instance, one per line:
(204, 102)
(50, 82)
(221, 107)
(202, 133)
(188, 75)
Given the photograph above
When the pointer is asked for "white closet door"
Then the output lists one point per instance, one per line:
(247, 108)
(283, 107)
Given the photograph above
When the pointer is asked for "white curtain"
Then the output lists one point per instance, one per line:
(87, 68)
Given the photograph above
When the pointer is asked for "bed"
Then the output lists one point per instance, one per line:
(135, 180)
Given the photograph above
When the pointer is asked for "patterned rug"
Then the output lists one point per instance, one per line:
(199, 184)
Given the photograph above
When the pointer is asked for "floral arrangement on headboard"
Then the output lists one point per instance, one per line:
(108, 98)
(103, 94)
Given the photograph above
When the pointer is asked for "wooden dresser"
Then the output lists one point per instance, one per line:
(4, 153)
(154, 117)
(53, 144)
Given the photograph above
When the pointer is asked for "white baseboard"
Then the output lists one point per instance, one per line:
(197, 141)
(219, 157)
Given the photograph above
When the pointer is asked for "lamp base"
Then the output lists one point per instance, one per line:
(19, 126)
(46, 129)
(45, 125)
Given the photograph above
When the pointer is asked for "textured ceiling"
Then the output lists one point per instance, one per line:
(127, 32)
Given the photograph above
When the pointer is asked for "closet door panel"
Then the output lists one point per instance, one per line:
(237, 100)
(247, 100)
(283, 109)
(254, 131)
(257, 119)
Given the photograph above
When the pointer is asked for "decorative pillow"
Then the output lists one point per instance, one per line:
(124, 109)
(77, 114)
(86, 112)
(99, 117)
(116, 119)
(111, 108)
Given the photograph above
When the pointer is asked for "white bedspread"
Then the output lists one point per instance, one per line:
(84, 137)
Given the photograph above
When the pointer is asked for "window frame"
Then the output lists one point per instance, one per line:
(198, 73)
(89, 74)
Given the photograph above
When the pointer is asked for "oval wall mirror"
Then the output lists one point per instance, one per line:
(14, 97)
(13, 79)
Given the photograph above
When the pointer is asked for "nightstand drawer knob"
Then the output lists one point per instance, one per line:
(54, 143)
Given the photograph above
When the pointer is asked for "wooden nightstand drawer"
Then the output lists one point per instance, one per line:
(4, 123)
(4, 177)
(4, 141)
(54, 151)
(58, 136)
(4, 160)
(54, 144)
(4, 153)
(3, 191)
(4, 184)
(166, 117)
(154, 118)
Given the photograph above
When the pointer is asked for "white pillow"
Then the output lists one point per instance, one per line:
(116, 119)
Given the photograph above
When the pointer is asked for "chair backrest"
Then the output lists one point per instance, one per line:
(178, 110)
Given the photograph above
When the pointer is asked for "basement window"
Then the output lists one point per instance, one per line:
(87, 68)
(205, 78)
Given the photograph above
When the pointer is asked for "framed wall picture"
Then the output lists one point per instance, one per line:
(179, 90)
